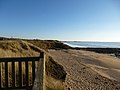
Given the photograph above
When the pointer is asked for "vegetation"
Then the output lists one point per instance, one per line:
(55, 70)
(43, 44)
(49, 44)
(55, 74)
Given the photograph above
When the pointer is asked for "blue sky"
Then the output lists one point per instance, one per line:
(82, 20)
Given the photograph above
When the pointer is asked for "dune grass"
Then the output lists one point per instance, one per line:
(49, 44)
(17, 48)
(55, 75)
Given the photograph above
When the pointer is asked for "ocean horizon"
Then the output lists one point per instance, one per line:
(92, 44)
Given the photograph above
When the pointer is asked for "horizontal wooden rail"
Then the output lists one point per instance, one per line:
(19, 59)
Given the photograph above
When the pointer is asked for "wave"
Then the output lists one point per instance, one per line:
(93, 44)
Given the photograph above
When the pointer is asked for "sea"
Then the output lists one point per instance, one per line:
(88, 44)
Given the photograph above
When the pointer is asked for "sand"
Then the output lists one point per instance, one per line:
(88, 70)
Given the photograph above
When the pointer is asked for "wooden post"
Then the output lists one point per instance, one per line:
(13, 74)
(39, 83)
(0, 75)
(33, 72)
(6, 75)
(20, 74)
(26, 74)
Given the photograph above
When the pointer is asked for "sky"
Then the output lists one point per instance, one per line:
(73, 20)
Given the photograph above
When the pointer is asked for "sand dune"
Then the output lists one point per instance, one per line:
(88, 70)
(19, 48)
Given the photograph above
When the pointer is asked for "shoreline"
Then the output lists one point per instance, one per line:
(100, 50)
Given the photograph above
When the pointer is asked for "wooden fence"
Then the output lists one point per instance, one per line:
(19, 81)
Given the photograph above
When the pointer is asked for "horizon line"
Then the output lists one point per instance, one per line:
(57, 39)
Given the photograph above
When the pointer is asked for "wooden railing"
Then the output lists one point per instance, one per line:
(15, 72)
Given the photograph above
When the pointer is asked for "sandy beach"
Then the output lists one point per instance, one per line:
(89, 70)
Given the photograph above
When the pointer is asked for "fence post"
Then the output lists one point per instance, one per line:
(0, 74)
(39, 83)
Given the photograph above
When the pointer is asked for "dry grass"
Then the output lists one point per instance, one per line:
(19, 48)
(54, 84)
(16, 49)
(49, 44)
(55, 75)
